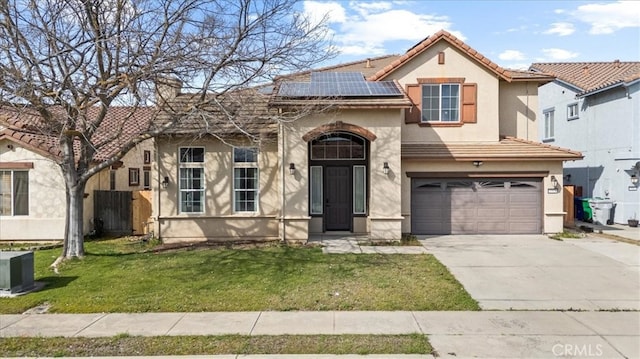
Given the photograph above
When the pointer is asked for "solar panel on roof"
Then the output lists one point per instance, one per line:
(338, 84)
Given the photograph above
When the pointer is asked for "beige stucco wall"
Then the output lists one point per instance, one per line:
(218, 221)
(383, 220)
(456, 64)
(518, 106)
(46, 198)
(551, 202)
(101, 181)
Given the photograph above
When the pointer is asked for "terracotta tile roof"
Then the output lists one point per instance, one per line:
(508, 149)
(120, 125)
(238, 113)
(505, 74)
(592, 76)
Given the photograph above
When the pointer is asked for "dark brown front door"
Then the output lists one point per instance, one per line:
(337, 194)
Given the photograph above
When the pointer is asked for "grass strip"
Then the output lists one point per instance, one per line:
(125, 345)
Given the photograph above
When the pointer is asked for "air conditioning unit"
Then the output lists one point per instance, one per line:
(16, 271)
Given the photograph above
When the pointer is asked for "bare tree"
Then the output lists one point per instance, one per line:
(67, 62)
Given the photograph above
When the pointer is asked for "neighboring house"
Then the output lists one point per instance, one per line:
(593, 107)
(439, 140)
(32, 190)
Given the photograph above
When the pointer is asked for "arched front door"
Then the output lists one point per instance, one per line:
(338, 179)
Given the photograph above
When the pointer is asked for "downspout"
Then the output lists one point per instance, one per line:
(526, 119)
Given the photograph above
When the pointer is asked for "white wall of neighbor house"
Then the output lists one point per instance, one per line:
(383, 220)
(46, 218)
(457, 64)
(607, 132)
(218, 221)
(552, 209)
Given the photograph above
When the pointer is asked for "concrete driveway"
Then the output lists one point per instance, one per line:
(534, 272)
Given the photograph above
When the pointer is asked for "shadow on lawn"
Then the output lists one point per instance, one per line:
(55, 282)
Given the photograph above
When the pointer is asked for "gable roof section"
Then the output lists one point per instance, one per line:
(591, 77)
(120, 125)
(502, 73)
(508, 149)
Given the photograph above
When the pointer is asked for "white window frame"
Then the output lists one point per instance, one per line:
(424, 110)
(313, 183)
(364, 190)
(191, 165)
(549, 123)
(246, 165)
(572, 111)
(12, 194)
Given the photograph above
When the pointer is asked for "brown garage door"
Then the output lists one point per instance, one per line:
(476, 206)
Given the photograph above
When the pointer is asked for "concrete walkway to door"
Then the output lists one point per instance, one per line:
(534, 272)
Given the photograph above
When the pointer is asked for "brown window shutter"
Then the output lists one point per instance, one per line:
(413, 114)
(469, 108)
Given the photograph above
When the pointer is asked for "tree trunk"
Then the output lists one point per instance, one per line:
(74, 229)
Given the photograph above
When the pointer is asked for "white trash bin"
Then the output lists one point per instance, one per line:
(601, 209)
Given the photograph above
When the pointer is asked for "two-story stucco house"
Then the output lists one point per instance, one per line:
(593, 107)
(439, 140)
(32, 189)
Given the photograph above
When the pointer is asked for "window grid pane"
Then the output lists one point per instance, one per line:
(316, 190)
(191, 180)
(5, 193)
(21, 193)
(245, 189)
(359, 189)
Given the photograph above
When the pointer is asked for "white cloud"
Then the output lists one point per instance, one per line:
(561, 29)
(365, 8)
(317, 10)
(511, 55)
(608, 18)
(559, 54)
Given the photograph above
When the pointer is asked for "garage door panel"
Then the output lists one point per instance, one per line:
(489, 206)
(493, 199)
(485, 214)
(492, 227)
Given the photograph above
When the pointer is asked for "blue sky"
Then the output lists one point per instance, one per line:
(513, 34)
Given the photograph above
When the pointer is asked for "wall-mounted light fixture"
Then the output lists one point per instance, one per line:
(634, 179)
(165, 182)
(477, 163)
(385, 168)
(10, 146)
(567, 177)
(554, 182)
(292, 168)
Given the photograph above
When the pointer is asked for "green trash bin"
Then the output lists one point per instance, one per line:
(586, 210)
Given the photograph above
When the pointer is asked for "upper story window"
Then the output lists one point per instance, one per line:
(191, 179)
(549, 124)
(14, 193)
(442, 102)
(572, 111)
(134, 176)
(245, 179)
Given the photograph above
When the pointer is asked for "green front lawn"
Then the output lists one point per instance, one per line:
(124, 345)
(124, 276)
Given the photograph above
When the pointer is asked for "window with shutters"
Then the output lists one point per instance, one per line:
(442, 102)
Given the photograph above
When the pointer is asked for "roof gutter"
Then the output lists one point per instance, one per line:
(607, 88)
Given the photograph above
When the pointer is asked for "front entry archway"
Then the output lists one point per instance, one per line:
(338, 163)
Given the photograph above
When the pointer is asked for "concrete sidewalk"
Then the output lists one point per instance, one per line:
(488, 334)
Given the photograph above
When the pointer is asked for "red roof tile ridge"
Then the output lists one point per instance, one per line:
(546, 145)
(441, 35)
